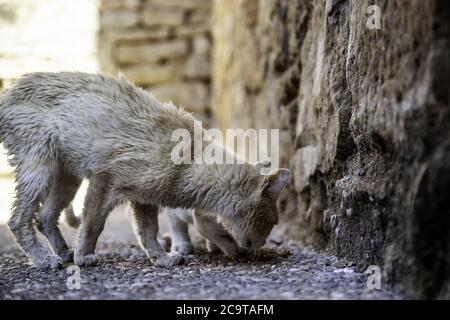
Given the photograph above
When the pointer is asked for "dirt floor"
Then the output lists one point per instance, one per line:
(125, 273)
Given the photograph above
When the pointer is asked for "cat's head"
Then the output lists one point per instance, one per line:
(255, 215)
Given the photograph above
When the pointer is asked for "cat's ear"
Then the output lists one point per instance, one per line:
(262, 164)
(275, 182)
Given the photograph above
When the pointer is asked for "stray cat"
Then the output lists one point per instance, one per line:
(62, 127)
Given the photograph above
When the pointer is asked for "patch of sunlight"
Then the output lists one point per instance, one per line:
(7, 198)
(78, 202)
(47, 35)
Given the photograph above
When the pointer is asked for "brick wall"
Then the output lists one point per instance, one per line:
(161, 45)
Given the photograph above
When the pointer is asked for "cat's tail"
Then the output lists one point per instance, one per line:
(70, 218)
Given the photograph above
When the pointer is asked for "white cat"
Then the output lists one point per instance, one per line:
(60, 128)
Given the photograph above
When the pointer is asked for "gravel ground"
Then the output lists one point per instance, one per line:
(124, 273)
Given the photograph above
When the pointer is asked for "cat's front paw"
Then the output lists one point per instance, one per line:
(169, 260)
(48, 262)
(182, 247)
(86, 261)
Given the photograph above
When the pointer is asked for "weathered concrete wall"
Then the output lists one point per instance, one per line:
(365, 121)
(162, 45)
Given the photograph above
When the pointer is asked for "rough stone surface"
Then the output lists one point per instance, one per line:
(193, 30)
(125, 273)
(202, 46)
(365, 123)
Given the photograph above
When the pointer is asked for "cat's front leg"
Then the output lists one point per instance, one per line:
(99, 202)
(146, 225)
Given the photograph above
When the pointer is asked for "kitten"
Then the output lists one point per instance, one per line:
(60, 128)
(217, 238)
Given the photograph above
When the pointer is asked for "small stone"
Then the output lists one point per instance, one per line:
(339, 264)
(186, 4)
(202, 46)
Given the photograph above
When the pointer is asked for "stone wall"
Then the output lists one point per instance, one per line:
(161, 45)
(365, 123)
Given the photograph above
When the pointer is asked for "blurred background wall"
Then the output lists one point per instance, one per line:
(49, 35)
(161, 45)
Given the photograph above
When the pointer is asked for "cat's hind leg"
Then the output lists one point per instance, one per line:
(60, 196)
(34, 178)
